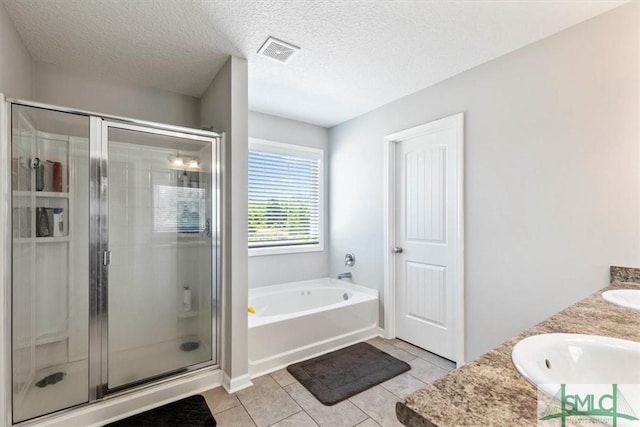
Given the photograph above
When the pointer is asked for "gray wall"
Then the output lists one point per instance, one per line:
(15, 61)
(551, 174)
(225, 107)
(58, 86)
(273, 269)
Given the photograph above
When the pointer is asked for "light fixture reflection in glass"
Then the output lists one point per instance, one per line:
(182, 162)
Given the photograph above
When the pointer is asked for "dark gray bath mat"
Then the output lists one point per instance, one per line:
(336, 376)
(189, 412)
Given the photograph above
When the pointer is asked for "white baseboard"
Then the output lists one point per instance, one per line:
(231, 385)
(115, 408)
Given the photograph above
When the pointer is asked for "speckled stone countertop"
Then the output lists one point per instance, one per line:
(489, 391)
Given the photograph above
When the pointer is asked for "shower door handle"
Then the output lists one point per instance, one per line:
(207, 228)
(106, 258)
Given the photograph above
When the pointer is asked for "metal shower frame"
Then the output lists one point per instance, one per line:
(98, 244)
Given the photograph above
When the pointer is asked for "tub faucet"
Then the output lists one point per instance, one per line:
(344, 276)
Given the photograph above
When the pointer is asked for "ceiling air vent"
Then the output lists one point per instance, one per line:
(278, 50)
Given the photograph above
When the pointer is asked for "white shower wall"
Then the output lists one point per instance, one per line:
(147, 291)
(79, 230)
(162, 264)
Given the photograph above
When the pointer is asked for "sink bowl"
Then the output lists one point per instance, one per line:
(629, 298)
(548, 360)
(585, 376)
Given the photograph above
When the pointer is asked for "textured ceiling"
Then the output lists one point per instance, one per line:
(356, 55)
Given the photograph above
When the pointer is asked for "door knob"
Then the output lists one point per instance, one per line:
(397, 250)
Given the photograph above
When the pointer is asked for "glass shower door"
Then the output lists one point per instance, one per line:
(50, 261)
(160, 196)
(114, 256)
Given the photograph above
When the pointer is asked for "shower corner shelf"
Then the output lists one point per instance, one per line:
(187, 314)
(42, 194)
(43, 339)
(41, 239)
(52, 337)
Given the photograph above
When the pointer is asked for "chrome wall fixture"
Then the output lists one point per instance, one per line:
(349, 259)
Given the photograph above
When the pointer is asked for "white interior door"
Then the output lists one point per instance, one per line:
(428, 235)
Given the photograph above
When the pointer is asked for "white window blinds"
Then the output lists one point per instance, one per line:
(178, 209)
(285, 184)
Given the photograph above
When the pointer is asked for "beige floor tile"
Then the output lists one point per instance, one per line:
(393, 350)
(426, 355)
(425, 371)
(379, 404)
(385, 340)
(403, 385)
(343, 414)
(219, 400)
(368, 423)
(234, 417)
(301, 419)
(376, 340)
(283, 377)
(267, 402)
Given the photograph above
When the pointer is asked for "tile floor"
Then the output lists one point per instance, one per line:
(279, 400)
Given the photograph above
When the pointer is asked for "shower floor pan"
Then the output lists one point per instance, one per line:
(130, 365)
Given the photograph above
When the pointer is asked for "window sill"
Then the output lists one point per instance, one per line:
(285, 250)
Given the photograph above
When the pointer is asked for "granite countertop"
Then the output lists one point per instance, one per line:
(489, 391)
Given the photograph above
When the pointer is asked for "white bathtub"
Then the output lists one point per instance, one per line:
(298, 320)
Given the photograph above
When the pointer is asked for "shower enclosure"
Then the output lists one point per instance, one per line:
(114, 255)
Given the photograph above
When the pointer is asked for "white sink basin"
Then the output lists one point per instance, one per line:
(551, 359)
(624, 297)
(570, 368)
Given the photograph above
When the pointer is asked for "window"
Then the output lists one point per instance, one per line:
(178, 209)
(285, 198)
